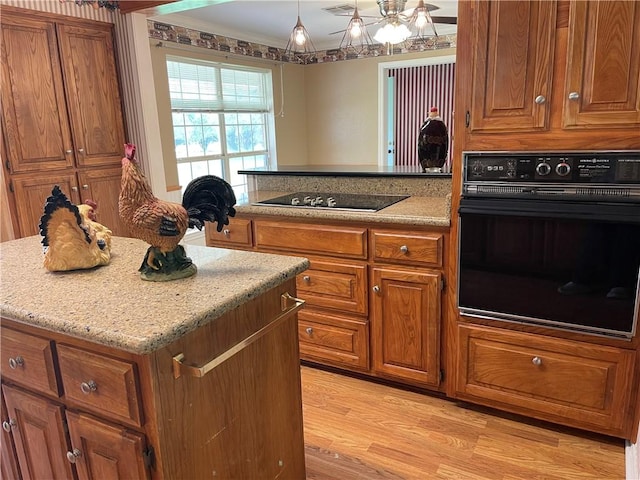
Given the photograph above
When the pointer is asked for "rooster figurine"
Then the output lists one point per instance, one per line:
(433, 142)
(71, 237)
(162, 224)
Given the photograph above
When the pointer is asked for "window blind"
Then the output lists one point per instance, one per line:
(216, 88)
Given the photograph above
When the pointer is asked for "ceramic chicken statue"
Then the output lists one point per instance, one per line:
(162, 224)
(71, 237)
(433, 142)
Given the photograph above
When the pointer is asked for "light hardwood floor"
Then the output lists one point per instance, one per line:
(360, 430)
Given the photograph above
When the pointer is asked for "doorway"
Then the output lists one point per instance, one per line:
(407, 90)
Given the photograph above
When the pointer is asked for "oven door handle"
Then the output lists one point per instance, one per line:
(626, 212)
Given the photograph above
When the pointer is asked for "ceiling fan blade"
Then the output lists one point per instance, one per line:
(445, 20)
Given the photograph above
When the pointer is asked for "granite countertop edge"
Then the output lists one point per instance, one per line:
(150, 319)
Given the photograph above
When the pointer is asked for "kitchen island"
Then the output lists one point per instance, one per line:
(186, 379)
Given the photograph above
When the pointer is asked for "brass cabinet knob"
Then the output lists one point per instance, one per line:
(7, 425)
(306, 278)
(81, 150)
(404, 249)
(16, 362)
(309, 330)
(537, 361)
(88, 387)
(73, 455)
(540, 99)
(68, 152)
(85, 187)
(376, 289)
(574, 96)
(74, 189)
(226, 232)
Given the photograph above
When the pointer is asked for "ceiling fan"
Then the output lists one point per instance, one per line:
(398, 23)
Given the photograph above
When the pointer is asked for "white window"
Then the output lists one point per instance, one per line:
(222, 120)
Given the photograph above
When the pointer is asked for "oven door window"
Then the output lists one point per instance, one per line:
(564, 269)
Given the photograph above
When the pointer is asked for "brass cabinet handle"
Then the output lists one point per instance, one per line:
(404, 249)
(179, 368)
(376, 289)
(537, 361)
(540, 99)
(81, 150)
(306, 278)
(574, 96)
(85, 187)
(226, 232)
(74, 189)
(68, 152)
(309, 330)
(73, 455)
(16, 362)
(88, 387)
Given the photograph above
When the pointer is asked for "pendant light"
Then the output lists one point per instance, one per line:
(421, 25)
(300, 48)
(356, 40)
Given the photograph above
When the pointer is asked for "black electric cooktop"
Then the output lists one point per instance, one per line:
(334, 201)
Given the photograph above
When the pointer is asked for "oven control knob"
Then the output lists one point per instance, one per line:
(563, 169)
(543, 169)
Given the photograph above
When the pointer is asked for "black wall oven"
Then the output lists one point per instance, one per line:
(551, 239)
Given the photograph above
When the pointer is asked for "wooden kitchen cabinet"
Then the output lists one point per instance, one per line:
(62, 114)
(103, 451)
(405, 324)
(574, 383)
(549, 73)
(602, 87)
(38, 431)
(512, 78)
(373, 294)
(9, 469)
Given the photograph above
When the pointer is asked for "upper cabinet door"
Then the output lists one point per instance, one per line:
(603, 70)
(93, 94)
(33, 102)
(513, 65)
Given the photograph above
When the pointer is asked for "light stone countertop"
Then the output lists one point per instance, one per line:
(415, 210)
(112, 306)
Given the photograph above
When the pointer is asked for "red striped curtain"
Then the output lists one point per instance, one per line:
(416, 90)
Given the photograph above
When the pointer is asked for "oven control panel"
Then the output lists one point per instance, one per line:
(620, 167)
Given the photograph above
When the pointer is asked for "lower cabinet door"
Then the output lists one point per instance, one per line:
(405, 325)
(100, 450)
(9, 469)
(37, 426)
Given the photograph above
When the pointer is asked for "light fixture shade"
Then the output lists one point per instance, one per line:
(356, 40)
(393, 32)
(300, 47)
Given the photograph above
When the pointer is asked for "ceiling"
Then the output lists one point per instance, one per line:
(270, 22)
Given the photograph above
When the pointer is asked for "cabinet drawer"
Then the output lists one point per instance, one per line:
(575, 383)
(237, 233)
(28, 361)
(348, 242)
(104, 385)
(407, 247)
(333, 339)
(340, 286)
